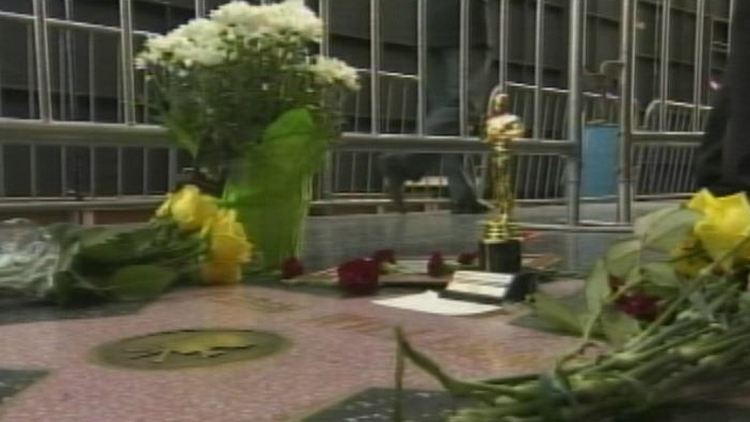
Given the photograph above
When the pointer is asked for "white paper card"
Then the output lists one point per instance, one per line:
(480, 283)
(412, 266)
(431, 302)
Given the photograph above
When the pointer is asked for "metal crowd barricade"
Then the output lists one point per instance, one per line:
(657, 159)
(389, 115)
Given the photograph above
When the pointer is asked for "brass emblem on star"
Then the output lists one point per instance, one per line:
(189, 348)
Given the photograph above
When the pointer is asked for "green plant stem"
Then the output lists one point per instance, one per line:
(658, 338)
(628, 358)
(479, 391)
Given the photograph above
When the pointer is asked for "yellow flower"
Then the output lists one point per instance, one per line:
(228, 249)
(725, 223)
(190, 209)
(703, 201)
(227, 240)
(221, 273)
(166, 207)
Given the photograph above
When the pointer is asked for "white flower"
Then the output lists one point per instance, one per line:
(159, 50)
(330, 71)
(209, 42)
(197, 42)
(201, 29)
(273, 20)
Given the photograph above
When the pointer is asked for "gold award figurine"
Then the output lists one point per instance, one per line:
(500, 130)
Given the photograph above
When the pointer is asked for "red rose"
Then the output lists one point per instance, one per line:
(436, 265)
(291, 268)
(384, 256)
(359, 277)
(639, 305)
(467, 258)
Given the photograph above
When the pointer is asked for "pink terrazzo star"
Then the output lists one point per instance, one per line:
(340, 347)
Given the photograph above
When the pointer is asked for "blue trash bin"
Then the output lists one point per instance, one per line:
(599, 161)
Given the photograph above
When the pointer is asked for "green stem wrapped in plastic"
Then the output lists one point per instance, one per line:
(270, 186)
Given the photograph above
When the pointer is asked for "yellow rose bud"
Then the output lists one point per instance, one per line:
(725, 224)
(221, 273)
(192, 210)
(702, 201)
(227, 239)
(166, 207)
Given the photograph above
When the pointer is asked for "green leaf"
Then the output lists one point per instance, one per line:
(95, 236)
(622, 257)
(597, 288)
(140, 282)
(665, 230)
(70, 289)
(661, 274)
(618, 327)
(643, 225)
(182, 137)
(559, 315)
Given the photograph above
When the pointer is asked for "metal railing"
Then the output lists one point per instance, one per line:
(91, 116)
(391, 104)
(658, 159)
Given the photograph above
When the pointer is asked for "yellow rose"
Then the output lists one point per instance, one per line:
(703, 201)
(166, 207)
(220, 273)
(725, 223)
(190, 209)
(227, 240)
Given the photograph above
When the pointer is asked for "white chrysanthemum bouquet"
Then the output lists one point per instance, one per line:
(242, 92)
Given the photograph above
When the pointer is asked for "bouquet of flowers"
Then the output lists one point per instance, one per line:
(242, 93)
(191, 240)
(666, 313)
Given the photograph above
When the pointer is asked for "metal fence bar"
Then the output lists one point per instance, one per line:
(404, 107)
(61, 23)
(666, 22)
(41, 48)
(120, 167)
(145, 174)
(33, 170)
(92, 172)
(698, 84)
(70, 65)
(624, 185)
(463, 68)
(200, 8)
(2, 170)
(421, 65)
(1, 87)
(61, 78)
(503, 42)
(375, 65)
(31, 73)
(575, 110)
(325, 177)
(92, 77)
(126, 61)
(63, 170)
(732, 5)
(539, 66)
(324, 11)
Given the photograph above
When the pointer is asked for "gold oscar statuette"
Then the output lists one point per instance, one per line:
(500, 247)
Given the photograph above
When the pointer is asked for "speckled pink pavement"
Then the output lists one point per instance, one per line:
(340, 346)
